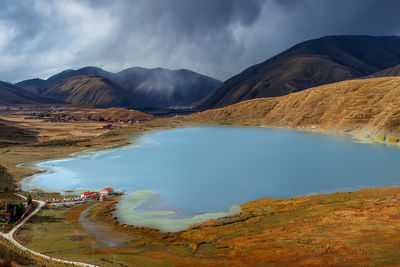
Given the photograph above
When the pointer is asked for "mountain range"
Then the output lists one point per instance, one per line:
(311, 63)
(11, 94)
(135, 87)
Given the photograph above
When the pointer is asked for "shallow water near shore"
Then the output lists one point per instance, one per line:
(184, 176)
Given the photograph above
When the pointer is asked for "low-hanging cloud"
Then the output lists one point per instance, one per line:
(219, 38)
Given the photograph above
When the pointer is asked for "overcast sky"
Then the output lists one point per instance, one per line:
(220, 38)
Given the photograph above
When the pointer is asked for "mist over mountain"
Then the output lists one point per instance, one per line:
(311, 63)
(136, 87)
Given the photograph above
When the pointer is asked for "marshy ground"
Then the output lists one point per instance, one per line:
(346, 228)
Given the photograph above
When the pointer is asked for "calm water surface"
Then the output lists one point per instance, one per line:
(179, 177)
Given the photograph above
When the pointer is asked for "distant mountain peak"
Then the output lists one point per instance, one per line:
(136, 86)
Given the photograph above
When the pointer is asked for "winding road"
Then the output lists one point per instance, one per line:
(101, 232)
(10, 237)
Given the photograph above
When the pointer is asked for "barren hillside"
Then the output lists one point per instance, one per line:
(311, 63)
(11, 134)
(121, 113)
(90, 89)
(367, 106)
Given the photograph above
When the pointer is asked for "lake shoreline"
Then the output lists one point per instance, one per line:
(92, 152)
(130, 139)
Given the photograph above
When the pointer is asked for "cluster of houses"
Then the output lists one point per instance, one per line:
(96, 195)
(62, 117)
(69, 202)
(123, 120)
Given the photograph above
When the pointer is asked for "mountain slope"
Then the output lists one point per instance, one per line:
(121, 113)
(367, 106)
(89, 89)
(36, 86)
(166, 88)
(10, 94)
(157, 88)
(311, 63)
(10, 134)
(393, 71)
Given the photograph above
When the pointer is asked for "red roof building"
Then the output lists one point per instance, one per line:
(89, 195)
(107, 191)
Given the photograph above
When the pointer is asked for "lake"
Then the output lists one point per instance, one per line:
(183, 176)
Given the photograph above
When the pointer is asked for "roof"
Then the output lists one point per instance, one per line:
(108, 189)
(89, 193)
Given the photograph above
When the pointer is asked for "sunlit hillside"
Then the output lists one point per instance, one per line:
(371, 105)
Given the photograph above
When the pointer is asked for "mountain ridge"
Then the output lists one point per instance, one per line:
(156, 87)
(311, 63)
(89, 89)
(13, 95)
(363, 107)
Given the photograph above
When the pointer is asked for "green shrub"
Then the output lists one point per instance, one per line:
(8, 208)
(111, 134)
(29, 199)
(225, 123)
(380, 138)
(60, 142)
(392, 139)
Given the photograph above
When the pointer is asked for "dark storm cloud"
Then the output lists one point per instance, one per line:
(216, 37)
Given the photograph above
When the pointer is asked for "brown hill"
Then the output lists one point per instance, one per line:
(10, 94)
(90, 89)
(121, 113)
(11, 134)
(367, 106)
(389, 72)
(308, 64)
(145, 88)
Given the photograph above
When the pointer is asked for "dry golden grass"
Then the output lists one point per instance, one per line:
(58, 130)
(121, 113)
(341, 229)
(366, 106)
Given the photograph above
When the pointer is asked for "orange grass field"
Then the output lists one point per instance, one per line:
(339, 229)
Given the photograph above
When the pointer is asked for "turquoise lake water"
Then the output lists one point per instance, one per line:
(178, 177)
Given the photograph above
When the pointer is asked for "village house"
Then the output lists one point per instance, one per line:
(89, 195)
(107, 191)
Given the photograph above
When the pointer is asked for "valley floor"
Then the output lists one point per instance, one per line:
(346, 228)
(342, 229)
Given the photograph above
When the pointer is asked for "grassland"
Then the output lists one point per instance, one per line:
(341, 229)
(364, 108)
